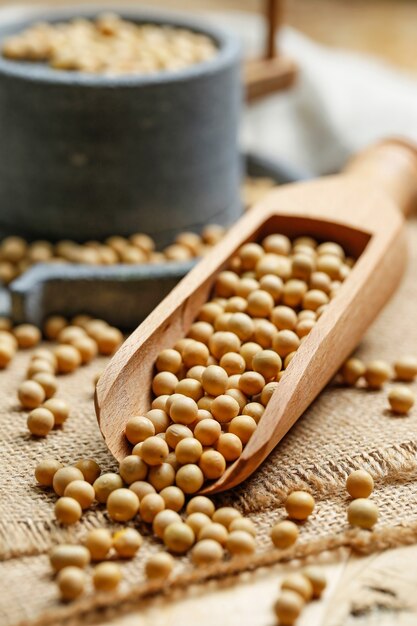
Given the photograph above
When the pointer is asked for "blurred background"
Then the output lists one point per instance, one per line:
(384, 28)
(357, 62)
(347, 78)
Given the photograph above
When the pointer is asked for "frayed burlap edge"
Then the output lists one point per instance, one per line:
(100, 607)
(395, 464)
(31, 538)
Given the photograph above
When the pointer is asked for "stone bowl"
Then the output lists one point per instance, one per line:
(121, 294)
(85, 156)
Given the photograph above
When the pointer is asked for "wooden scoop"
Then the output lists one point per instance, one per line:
(360, 209)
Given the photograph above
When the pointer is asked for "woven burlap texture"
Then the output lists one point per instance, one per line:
(344, 429)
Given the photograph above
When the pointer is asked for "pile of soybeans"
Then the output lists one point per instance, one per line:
(211, 388)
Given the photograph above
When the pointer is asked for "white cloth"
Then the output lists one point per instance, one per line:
(341, 102)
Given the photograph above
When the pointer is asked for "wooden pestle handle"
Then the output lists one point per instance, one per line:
(393, 164)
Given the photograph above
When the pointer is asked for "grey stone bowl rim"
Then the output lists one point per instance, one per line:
(281, 172)
(120, 272)
(228, 47)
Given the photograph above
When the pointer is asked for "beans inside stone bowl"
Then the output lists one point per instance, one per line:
(109, 44)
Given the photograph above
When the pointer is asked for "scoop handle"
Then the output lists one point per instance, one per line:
(391, 163)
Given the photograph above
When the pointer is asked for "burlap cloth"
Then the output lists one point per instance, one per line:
(343, 430)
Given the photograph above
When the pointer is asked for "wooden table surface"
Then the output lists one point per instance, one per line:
(384, 28)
